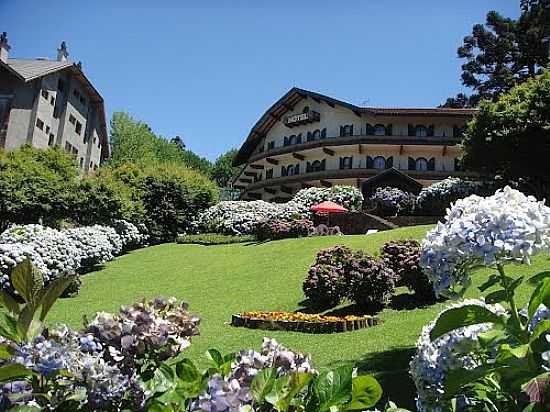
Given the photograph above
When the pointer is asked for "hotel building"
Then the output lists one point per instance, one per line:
(307, 139)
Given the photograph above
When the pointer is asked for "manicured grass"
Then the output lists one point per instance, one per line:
(220, 280)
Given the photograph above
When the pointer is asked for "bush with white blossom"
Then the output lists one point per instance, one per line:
(391, 201)
(58, 253)
(433, 360)
(242, 217)
(505, 227)
(492, 232)
(436, 198)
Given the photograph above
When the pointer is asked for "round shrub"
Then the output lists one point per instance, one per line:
(370, 281)
(403, 257)
(347, 196)
(391, 200)
(435, 199)
(325, 286)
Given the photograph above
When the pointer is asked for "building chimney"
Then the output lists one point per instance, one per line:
(62, 52)
(4, 47)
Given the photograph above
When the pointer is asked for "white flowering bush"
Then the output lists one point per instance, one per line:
(507, 366)
(391, 201)
(505, 227)
(59, 253)
(242, 217)
(132, 236)
(436, 198)
(453, 351)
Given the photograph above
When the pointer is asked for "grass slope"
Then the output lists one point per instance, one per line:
(220, 280)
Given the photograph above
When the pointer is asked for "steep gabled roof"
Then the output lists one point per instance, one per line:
(28, 70)
(286, 104)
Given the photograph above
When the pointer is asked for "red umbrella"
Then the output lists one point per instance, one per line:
(327, 208)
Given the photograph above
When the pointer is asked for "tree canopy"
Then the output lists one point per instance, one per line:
(503, 53)
(511, 137)
(223, 170)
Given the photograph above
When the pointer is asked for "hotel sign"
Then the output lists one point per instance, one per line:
(302, 118)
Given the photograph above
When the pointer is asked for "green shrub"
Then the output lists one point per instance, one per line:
(36, 185)
(282, 229)
(213, 239)
(172, 198)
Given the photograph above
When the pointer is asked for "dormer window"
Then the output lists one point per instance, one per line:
(271, 145)
(421, 164)
(379, 163)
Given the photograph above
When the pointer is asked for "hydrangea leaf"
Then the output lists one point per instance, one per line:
(263, 383)
(27, 280)
(457, 378)
(53, 291)
(491, 281)
(541, 295)
(365, 392)
(333, 388)
(539, 277)
(8, 302)
(14, 371)
(497, 296)
(458, 317)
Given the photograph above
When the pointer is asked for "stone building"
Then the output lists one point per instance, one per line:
(308, 139)
(51, 102)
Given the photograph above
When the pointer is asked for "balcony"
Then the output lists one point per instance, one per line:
(357, 173)
(357, 139)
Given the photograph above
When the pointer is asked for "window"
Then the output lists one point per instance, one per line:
(269, 174)
(315, 166)
(60, 85)
(47, 129)
(271, 145)
(68, 147)
(78, 128)
(346, 162)
(75, 150)
(51, 140)
(81, 162)
(76, 94)
(379, 130)
(346, 130)
(72, 119)
(82, 100)
(45, 94)
(420, 131)
(421, 164)
(40, 124)
(91, 165)
(378, 163)
(52, 100)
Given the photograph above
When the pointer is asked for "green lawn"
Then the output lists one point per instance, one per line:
(220, 280)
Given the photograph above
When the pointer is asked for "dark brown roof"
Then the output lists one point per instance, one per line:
(295, 95)
(30, 69)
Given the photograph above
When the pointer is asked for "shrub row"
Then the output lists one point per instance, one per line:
(281, 229)
(431, 201)
(213, 239)
(340, 273)
(59, 253)
(43, 186)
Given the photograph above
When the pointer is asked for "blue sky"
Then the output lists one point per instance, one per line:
(207, 70)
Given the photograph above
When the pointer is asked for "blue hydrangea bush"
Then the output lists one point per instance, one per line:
(390, 201)
(479, 355)
(436, 198)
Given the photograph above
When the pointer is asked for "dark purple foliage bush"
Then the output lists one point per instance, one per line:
(370, 281)
(403, 257)
(282, 229)
(340, 273)
(325, 285)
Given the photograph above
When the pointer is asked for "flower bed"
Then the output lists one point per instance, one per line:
(302, 322)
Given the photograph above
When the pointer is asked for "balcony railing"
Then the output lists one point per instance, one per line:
(357, 139)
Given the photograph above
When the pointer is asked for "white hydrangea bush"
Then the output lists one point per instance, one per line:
(242, 217)
(505, 227)
(454, 350)
(58, 253)
(131, 235)
(438, 196)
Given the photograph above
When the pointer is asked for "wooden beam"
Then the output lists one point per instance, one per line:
(358, 183)
(250, 174)
(270, 191)
(254, 166)
(360, 149)
(316, 99)
(272, 161)
(330, 103)
(286, 189)
(328, 151)
(298, 156)
(242, 179)
(325, 183)
(401, 149)
(357, 113)
(444, 150)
